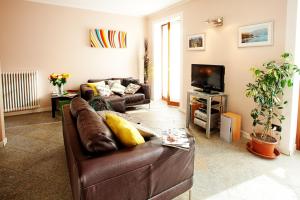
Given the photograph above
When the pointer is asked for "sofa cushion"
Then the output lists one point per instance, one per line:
(95, 135)
(132, 88)
(112, 82)
(78, 104)
(103, 90)
(95, 85)
(118, 88)
(124, 130)
(113, 98)
(127, 81)
(116, 102)
(134, 98)
(99, 104)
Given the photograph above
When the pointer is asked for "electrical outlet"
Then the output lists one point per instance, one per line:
(276, 127)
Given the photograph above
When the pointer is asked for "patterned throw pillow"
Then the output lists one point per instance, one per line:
(132, 88)
(103, 90)
(118, 88)
(111, 82)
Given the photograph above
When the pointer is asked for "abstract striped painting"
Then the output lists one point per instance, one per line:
(100, 38)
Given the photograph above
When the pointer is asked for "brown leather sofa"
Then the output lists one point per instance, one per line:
(146, 171)
(142, 96)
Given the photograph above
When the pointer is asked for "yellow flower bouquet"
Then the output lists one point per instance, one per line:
(59, 79)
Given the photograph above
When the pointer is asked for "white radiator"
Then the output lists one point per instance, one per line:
(19, 90)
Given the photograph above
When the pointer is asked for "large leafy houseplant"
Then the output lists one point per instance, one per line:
(267, 92)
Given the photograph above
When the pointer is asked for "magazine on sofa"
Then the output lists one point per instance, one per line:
(175, 138)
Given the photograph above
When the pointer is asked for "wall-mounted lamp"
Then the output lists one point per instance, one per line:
(216, 22)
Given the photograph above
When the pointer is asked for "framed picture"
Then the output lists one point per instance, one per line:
(256, 35)
(196, 42)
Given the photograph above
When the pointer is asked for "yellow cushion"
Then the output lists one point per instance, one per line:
(124, 130)
(94, 86)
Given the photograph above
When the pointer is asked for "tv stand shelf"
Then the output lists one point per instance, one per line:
(211, 104)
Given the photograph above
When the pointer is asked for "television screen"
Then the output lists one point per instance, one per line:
(208, 77)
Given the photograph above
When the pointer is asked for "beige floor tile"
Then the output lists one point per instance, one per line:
(33, 164)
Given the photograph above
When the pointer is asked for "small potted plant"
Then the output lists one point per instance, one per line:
(267, 91)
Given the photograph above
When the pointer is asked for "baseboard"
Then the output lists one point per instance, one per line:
(3, 142)
(37, 110)
(245, 134)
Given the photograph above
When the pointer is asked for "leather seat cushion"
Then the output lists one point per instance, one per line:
(133, 98)
(95, 135)
(113, 98)
(117, 103)
(78, 104)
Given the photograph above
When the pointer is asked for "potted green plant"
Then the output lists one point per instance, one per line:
(267, 91)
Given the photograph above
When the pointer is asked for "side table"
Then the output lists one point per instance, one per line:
(56, 98)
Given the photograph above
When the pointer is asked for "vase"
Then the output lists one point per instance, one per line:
(60, 89)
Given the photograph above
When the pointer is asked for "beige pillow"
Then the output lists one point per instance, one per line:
(118, 88)
(132, 88)
(111, 82)
(104, 90)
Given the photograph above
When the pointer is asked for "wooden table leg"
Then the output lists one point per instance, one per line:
(188, 110)
(53, 104)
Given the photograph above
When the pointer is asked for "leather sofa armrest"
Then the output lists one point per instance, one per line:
(145, 89)
(123, 161)
(86, 92)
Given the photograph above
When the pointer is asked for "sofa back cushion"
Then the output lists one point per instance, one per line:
(95, 135)
(127, 81)
(97, 80)
(78, 104)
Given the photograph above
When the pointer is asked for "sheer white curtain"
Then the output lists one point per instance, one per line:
(165, 60)
(157, 81)
(167, 44)
(175, 60)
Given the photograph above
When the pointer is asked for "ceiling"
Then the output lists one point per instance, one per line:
(124, 7)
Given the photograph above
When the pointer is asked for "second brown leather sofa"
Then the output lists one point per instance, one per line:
(142, 96)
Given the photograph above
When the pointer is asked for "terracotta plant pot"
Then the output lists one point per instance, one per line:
(263, 147)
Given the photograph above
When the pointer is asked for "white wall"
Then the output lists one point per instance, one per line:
(56, 39)
(222, 43)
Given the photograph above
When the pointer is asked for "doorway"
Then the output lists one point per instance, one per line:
(170, 62)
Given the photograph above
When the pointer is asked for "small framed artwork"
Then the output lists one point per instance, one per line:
(256, 35)
(196, 42)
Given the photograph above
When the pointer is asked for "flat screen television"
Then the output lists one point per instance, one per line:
(208, 78)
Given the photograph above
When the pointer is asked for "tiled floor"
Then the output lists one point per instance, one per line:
(33, 165)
